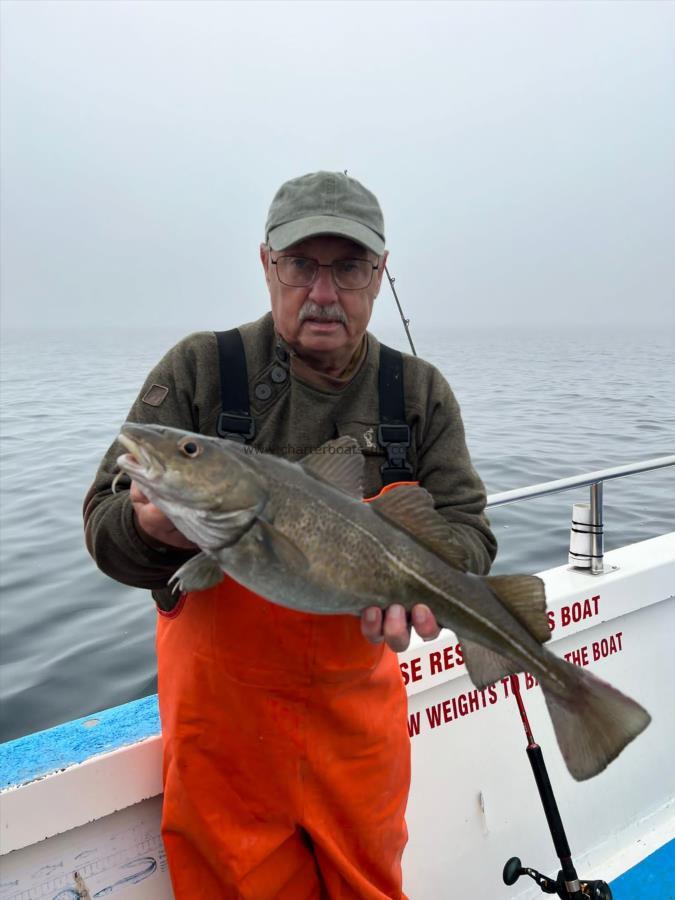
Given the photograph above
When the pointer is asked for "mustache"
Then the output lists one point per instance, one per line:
(332, 313)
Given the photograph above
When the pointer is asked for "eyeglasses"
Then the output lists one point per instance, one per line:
(348, 274)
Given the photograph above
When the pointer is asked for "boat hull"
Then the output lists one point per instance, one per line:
(92, 827)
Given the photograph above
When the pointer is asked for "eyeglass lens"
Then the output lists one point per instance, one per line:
(349, 274)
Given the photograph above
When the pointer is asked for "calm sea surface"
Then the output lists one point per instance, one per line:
(536, 407)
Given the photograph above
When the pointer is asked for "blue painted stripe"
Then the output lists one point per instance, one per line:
(73, 742)
(654, 877)
(30, 757)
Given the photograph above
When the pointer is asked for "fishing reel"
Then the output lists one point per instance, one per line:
(576, 890)
(568, 885)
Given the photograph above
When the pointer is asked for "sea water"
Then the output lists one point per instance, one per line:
(536, 406)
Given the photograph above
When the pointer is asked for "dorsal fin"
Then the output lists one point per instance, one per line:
(339, 463)
(412, 507)
(525, 597)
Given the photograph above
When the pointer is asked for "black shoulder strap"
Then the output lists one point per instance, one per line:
(235, 421)
(393, 433)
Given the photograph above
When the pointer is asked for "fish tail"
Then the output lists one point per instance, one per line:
(593, 721)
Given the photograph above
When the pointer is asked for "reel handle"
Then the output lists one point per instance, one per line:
(588, 890)
(514, 869)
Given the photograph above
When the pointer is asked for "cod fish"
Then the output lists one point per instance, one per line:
(299, 535)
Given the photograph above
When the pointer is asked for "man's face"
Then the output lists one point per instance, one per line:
(322, 319)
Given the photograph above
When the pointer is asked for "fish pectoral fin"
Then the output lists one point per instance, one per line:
(198, 574)
(485, 666)
(279, 548)
(412, 508)
(339, 463)
(525, 597)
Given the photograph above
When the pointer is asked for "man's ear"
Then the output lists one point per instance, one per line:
(380, 270)
(264, 259)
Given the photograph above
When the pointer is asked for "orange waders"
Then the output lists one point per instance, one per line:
(286, 752)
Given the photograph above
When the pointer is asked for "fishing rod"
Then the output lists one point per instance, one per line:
(405, 321)
(568, 885)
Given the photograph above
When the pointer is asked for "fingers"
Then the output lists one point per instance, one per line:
(155, 524)
(395, 628)
(152, 521)
(371, 624)
(392, 627)
(137, 496)
(424, 622)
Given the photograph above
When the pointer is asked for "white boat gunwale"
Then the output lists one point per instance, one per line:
(120, 769)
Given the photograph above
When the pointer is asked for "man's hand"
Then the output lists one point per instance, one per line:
(151, 521)
(392, 626)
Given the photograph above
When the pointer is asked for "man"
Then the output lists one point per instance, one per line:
(286, 753)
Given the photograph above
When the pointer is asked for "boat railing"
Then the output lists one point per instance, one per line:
(594, 525)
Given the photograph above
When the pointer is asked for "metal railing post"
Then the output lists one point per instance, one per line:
(597, 533)
(594, 528)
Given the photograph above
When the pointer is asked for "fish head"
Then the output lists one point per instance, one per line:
(208, 487)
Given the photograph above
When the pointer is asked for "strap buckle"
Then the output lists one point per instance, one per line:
(395, 439)
(235, 427)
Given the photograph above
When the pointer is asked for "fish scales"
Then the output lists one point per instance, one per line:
(393, 568)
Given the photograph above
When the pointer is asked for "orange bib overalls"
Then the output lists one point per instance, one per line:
(286, 752)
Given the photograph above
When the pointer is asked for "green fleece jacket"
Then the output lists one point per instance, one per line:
(292, 418)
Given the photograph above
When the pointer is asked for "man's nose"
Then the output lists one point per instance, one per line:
(323, 289)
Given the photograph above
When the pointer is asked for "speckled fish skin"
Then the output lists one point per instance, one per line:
(279, 529)
(355, 558)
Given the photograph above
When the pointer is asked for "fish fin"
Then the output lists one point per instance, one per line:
(485, 666)
(339, 463)
(280, 548)
(198, 573)
(412, 507)
(525, 597)
(594, 723)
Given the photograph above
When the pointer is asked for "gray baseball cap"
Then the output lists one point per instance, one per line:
(324, 203)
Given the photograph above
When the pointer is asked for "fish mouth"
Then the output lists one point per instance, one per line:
(138, 463)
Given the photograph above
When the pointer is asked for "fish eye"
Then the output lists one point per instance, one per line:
(190, 448)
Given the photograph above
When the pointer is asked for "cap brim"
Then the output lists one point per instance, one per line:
(284, 236)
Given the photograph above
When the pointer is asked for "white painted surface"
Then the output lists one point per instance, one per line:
(79, 794)
(121, 856)
(473, 801)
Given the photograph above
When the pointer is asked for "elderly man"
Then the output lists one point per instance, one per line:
(286, 752)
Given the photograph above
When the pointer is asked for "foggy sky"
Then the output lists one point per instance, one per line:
(523, 154)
